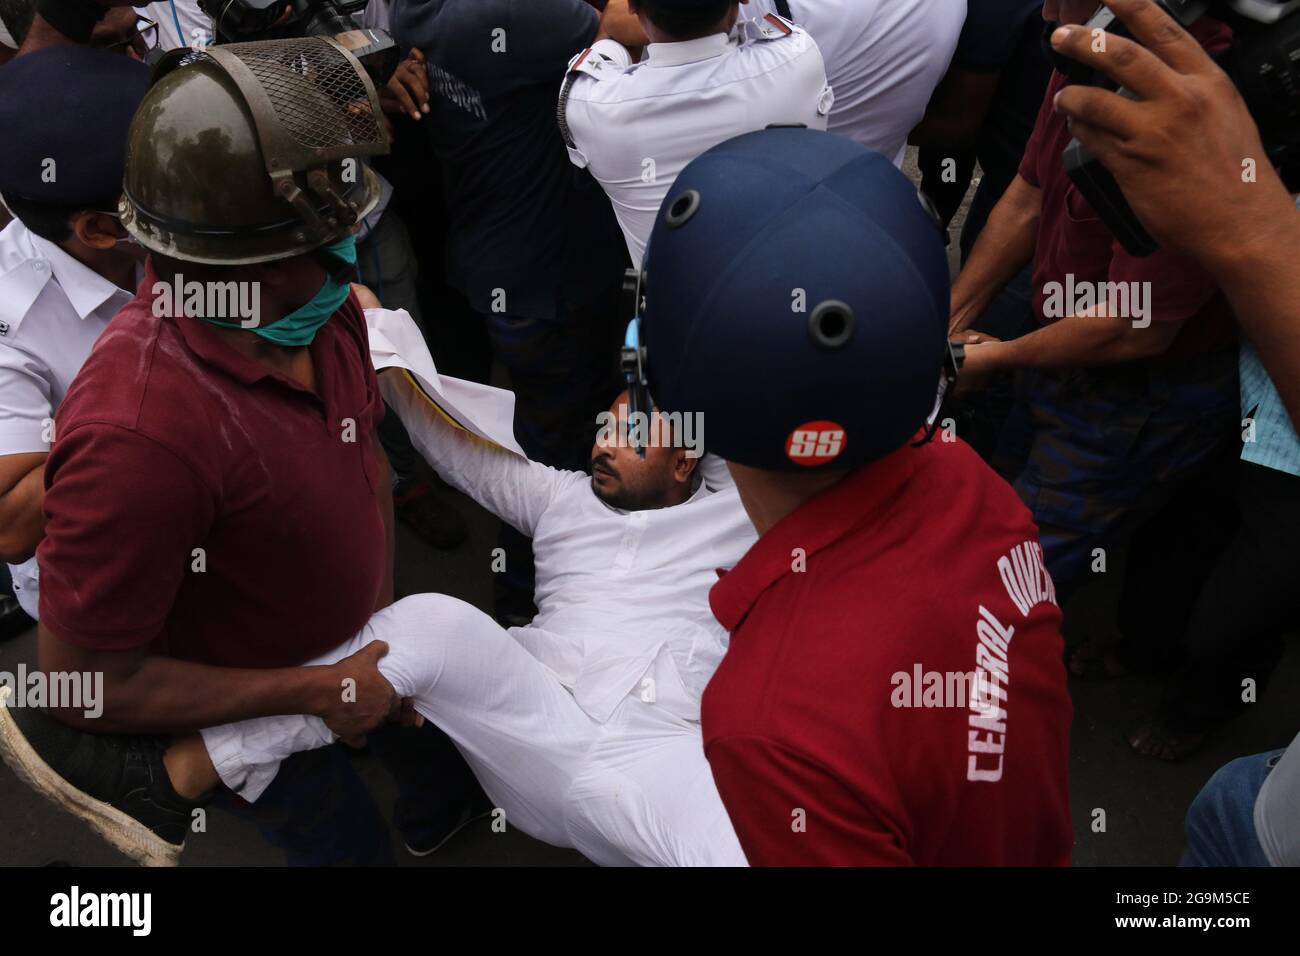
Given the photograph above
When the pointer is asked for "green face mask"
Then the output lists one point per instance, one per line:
(300, 326)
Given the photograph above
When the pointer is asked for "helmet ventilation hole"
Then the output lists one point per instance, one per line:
(831, 325)
(682, 209)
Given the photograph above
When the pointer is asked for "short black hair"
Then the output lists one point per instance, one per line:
(687, 24)
(50, 221)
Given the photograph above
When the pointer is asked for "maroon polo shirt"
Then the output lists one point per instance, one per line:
(201, 504)
(1073, 240)
(830, 737)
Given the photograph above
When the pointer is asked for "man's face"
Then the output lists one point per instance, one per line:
(286, 285)
(622, 479)
(1069, 11)
(119, 30)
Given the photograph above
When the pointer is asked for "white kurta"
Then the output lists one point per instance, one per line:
(584, 726)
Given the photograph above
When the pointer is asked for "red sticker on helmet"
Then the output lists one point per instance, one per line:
(815, 443)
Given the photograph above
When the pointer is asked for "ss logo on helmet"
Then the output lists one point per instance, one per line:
(815, 443)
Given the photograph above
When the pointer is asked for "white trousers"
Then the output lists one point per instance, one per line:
(635, 790)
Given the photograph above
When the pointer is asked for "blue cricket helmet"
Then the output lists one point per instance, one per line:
(796, 296)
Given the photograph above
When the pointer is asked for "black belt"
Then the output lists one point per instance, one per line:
(783, 8)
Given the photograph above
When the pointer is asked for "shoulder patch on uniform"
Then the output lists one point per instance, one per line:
(769, 27)
(597, 66)
(778, 23)
(592, 63)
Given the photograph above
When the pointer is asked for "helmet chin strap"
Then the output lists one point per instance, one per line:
(948, 378)
(632, 357)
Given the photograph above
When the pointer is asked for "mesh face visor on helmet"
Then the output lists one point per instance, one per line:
(239, 21)
(252, 152)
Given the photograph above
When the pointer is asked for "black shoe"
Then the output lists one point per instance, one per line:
(433, 839)
(13, 619)
(117, 784)
(417, 506)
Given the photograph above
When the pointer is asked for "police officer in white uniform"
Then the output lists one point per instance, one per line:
(65, 266)
(884, 58)
(707, 75)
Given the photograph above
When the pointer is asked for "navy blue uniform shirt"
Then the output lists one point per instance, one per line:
(522, 219)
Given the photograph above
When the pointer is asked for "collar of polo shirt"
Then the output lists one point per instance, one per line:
(852, 506)
(85, 288)
(687, 51)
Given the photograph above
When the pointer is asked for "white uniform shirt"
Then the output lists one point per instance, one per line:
(883, 57)
(622, 597)
(181, 23)
(52, 309)
(637, 126)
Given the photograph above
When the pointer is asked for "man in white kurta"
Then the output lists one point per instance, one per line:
(583, 727)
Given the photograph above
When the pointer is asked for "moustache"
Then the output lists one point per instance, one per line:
(603, 463)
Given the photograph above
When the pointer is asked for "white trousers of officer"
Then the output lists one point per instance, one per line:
(635, 790)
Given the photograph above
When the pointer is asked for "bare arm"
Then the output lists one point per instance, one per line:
(620, 24)
(1005, 246)
(1180, 150)
(1077, 341)
(1263, 286)
(22, 520)
(145, 693)
(111, 626)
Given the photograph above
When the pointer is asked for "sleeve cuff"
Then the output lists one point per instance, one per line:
(23, 436)
(90, 639)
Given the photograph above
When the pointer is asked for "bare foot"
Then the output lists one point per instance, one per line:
(1154, 739)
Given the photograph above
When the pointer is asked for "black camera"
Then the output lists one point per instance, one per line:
(1264, 64)
(237, 21)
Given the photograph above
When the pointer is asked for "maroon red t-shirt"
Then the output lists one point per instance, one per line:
(1074, 242)
(204, 505)
(836, 727)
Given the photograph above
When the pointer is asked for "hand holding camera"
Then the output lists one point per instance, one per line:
(1175, 103)
(1182, 105)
